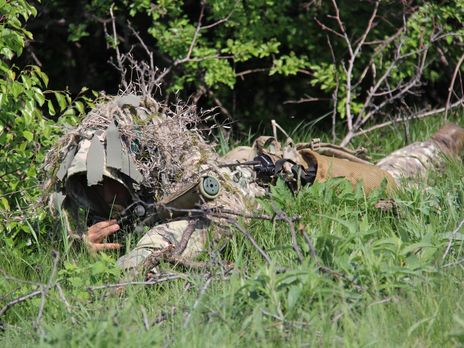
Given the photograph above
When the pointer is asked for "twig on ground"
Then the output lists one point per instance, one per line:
(45, 289)
(19, 300)
(146, 324)
(251, 239)
(166, 278)
(291, 224)
(179, 260)
(199, 297)
(311, 247)
(452, 236)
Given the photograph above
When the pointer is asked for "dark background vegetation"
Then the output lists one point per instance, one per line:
(72, 47)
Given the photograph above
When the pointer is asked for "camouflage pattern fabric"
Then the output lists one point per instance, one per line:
(162, 236)
(105, 151)
(417, 159)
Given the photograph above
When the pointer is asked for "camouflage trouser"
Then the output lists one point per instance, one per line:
(160, 237)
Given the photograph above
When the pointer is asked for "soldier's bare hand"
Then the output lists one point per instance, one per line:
(97, 233)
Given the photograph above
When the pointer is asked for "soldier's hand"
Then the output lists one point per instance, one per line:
(97, 233)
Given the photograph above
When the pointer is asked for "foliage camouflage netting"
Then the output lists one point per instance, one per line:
(164, 142)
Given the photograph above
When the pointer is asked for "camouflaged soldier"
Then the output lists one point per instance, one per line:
(132, 156)
(131, 160)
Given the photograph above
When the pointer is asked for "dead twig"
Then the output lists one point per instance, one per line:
(45, 289)
(179, 260)
(251, 239)
(205, 286)
(166, 278)
(291, 224)
(186, 235)
(146, 324)
(452, 236)
(119, 57)
(312, 249)
(19, 300)
(412, 117)
(451, 87)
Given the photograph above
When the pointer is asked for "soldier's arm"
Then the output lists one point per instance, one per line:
(97, 233)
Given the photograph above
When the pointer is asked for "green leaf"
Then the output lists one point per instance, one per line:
(61, 99)
(28, 135)
(51, 108)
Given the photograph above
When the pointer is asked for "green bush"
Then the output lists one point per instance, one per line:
(26, 131)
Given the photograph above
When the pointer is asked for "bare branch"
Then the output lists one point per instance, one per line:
(241, 74)
(251, 239)
(326, 28)
(306, 99)
(119, 57)
(353, 56)
(19, 300)
(451, 87)
(165, 278)
(194, 39)
(219, 22)
(452, 236)
(335, 92)
(413, 117)
(295, 245)
(185, 237)
(51, 279)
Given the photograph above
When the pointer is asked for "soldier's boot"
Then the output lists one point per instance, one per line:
(417, 159)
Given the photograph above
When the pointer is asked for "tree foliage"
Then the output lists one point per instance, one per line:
(266, 59)
(25, 131)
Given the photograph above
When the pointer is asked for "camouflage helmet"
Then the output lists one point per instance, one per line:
(96, 155)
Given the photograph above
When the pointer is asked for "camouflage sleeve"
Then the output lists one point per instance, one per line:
(162, 236)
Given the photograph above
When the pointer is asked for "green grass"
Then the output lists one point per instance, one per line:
(390, 285)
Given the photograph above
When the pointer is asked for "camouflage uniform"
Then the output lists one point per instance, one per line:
(416, 160)
(98, 154)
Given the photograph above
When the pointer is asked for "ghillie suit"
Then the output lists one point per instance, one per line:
(154, 151)
(158, 154)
